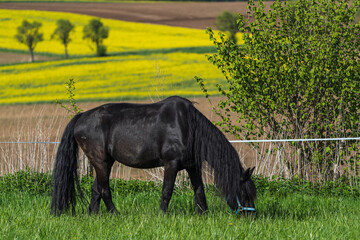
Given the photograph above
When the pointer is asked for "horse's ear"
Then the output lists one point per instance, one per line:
(246, 175)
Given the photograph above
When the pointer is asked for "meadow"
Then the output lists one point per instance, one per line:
(145, 61)
(282, 213)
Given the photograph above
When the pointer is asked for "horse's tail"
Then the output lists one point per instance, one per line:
(65, 172)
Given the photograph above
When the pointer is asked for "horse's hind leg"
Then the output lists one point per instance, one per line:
(199, 193)
(101, 187)
(95, 198)
(171, 170)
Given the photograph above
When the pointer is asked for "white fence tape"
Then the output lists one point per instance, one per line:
(294, 140)
(236, 141)
(32, 142)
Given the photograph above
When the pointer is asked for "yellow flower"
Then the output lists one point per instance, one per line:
(129, 76)
(123, 36)
(119, 77)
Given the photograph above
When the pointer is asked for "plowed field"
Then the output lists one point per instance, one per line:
(189, 14)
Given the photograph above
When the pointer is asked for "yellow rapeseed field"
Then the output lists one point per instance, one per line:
(111, 78)
(123, 36)
(140, 70)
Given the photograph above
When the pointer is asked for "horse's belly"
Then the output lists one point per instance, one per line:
(140, 163)
(137, 157)
(146, 150)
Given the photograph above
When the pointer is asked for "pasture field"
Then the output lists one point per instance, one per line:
(291, 215)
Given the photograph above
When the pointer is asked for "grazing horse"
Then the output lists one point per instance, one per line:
(171, 133)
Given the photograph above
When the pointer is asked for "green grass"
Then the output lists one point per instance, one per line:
(296, 216)
(300, 212)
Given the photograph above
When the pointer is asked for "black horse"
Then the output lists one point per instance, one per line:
(170, 133)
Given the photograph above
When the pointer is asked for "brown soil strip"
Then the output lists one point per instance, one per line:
(190, 14)
(7, 58)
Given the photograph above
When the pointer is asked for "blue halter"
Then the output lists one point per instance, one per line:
(240, 207)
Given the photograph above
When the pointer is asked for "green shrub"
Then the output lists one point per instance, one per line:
(296, 76)
(40, 183)
(121, 186)
(26, 180)
(280, 186)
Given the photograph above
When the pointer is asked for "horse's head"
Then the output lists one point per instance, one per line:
(242, 201)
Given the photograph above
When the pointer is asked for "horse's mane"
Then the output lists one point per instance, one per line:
(210, 144)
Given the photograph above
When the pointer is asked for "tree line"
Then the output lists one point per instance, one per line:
(29, 33)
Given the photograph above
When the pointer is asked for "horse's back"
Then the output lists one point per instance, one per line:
(138, 135)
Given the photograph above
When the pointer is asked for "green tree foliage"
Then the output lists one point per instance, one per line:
(62, 33)
(296, 76)
(28, 33)
(96, 32)
(227, 22)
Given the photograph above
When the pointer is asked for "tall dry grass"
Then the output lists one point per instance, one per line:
(32, 124)
(38, 124)
(29, 139)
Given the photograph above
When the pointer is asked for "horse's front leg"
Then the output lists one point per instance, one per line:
(198, 186)
(171, 169)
